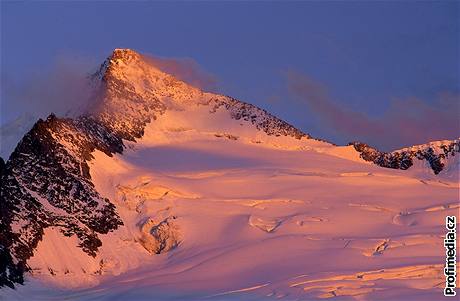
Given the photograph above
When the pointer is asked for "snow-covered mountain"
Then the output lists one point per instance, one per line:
(184, 194)
(434, 155)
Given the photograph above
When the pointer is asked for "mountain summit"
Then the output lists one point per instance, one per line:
(158, 167)
(135, 92)
(47, 181)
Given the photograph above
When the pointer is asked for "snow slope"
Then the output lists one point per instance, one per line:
(242, 209)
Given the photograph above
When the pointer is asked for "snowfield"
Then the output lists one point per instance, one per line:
(259, 218)
(216, 209)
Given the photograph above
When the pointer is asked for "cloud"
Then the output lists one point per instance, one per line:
(185, 69)
(407, 121)
(63, 89)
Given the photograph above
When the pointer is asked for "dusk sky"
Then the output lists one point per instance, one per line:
(386, 73)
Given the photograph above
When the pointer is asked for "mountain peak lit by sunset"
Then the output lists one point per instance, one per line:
(151, 183)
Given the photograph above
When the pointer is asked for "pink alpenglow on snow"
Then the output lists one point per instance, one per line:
(163, 191)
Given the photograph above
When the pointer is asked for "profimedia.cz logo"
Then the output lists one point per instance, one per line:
(450, 243)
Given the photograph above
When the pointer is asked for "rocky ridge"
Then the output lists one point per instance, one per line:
(434, 153)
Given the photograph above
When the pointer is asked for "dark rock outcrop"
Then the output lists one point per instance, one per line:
(403, 159)
(46, 182)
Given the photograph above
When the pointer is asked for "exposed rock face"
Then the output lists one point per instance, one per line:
(160, 237)
(435, 153)
(46, 182)
(262, 120)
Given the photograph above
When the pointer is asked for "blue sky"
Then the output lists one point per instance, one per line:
(376, 61)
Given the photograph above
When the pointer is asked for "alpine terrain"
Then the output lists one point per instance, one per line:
(162, 191)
